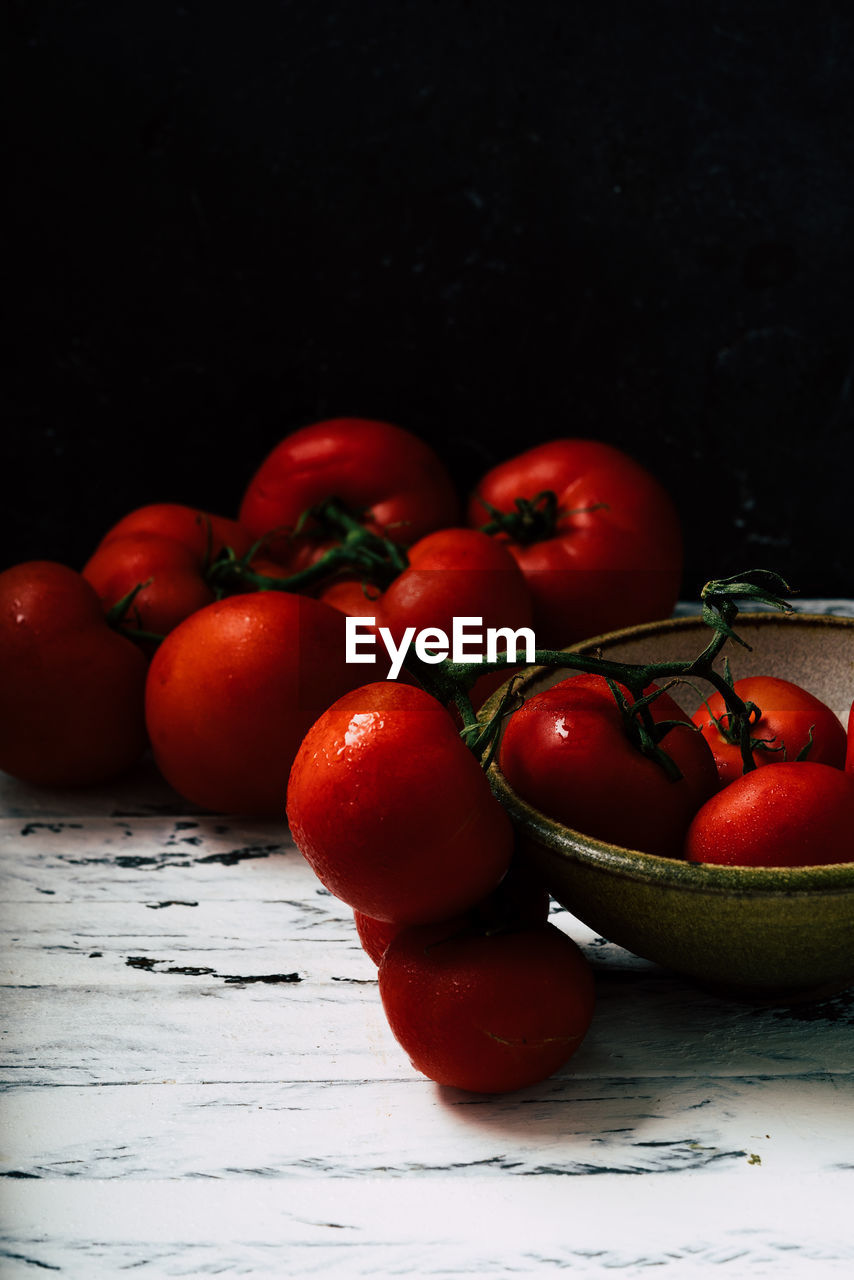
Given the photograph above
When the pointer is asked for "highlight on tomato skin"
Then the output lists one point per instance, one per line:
(392, 811)
(792, 720)
(486, 1012)
(783, 815)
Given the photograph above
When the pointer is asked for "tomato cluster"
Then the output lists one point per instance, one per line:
(796, 807)
(238, 669)
(220, 645)
(573, 749)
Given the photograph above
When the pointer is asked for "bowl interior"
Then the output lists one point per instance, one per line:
(759, 929)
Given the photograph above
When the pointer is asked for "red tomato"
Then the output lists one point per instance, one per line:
(789, 715)
(201, 532)
(174, 586)
(520, 901)
(614, 555)
(171, 545)
(232, 691)
(456, 573)
(785, 815)
(392, 812)
(375, 935)
(374, 467)
(486, 1012)
(567, 752)
(849, 758)
(71, 688)
(452, 573)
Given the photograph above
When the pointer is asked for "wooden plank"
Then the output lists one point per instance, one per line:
(404, 1127)
(201, 1026)
(147, 859)
(751, 1224)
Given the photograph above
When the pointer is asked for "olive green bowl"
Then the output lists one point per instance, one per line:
(765, 934)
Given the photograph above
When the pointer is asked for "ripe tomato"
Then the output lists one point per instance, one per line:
(170, 545)
(789, 716)
(520, 901)
(392, 811)
(613, 555)
(203, 533)
(375, 935)
(486, 1012)
(567, 752)
(452, 573)
(784, 815)
(71, 688)
(232, 691)
(849, 758)
(374, 467)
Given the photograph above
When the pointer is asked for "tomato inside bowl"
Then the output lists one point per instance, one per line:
(760, 932)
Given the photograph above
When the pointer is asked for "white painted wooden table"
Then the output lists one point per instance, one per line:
(198, 1079)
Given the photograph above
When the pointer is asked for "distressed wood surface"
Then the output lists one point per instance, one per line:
(197, 1079)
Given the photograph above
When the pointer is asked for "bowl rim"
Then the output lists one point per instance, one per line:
(633, 864)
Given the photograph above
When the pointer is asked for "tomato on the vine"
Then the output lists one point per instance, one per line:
(203, 533)
(603, 551)
(375, 468)
(567, 751)
(791, 721)
(375, 935)
(71, 687)
(392, 811)
(452, 573)
(234, 688)
(165, 550)
(486, 1012)
(783, 815)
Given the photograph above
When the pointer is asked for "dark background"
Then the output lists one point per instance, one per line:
(490, 223)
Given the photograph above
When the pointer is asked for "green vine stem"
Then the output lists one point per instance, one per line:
(451, 681)
(358, 550)
(117, 616)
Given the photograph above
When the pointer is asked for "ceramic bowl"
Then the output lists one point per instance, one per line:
(760, 933)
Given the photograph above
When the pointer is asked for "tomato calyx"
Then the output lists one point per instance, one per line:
(534, 520)
(729, 728)
(117, 616)
(357, 550)
(645, 732)
(804, 752)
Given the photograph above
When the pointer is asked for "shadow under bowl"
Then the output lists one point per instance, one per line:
(760, 933)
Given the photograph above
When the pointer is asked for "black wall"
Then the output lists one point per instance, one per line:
(491, 223)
